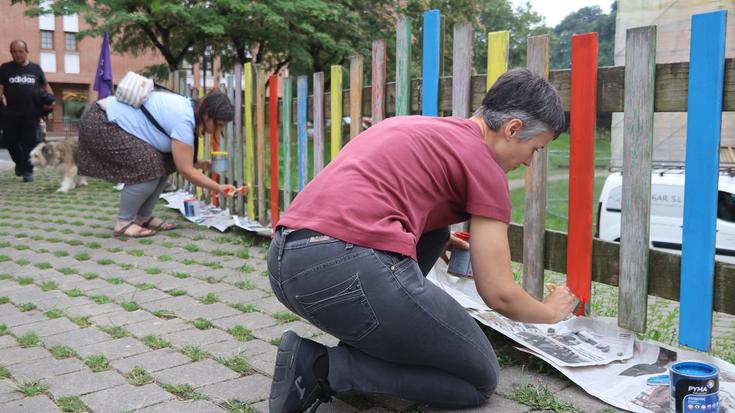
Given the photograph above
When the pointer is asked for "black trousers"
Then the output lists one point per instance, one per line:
(20, 134)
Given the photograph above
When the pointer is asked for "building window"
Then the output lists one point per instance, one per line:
(47, 39)
(70, 42)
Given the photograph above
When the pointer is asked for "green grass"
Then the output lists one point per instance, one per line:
(82, 322)
(105, 261)
(195, 353)
(82, 256)
(29, 340)
(276, 342)
(74, 292)
(115, 332)
(72, 404)
(4, 372)
(138, 376)
(60, 253)
(63, 352)
(183, 391)
(26, 307)
(3, 329)
(67, 270)
(234, 406)
(164, 314)
(244, 254)
(136, 253)
(155, 342)
(210, 298)
(213, 280)
(165, 258)
(4, 258)
(115, 280)
(245, 308)
(240, 332)
(539, 397)
(237, 363)
(181, 275)
(191, 247)
(49, 285)
(245, 285)
(94, 245)
(177, 292)
(90, 275)
(100, 299)
(145, 286)
(4, 300)
(32, 388)
(54, 313)
(202, 324)
(246, 268)
(24, 280)
(43, 265)
(286, 317)
(153, 270)
(130, 306)
(22, 262)
(97, 363)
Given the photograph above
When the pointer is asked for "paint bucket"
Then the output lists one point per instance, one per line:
(694, 387)
(459, 261)
(219, 162)
(191, 207)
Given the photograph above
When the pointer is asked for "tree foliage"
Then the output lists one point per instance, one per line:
(585, 20)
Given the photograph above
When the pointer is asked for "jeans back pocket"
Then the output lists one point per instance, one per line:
(342, 310)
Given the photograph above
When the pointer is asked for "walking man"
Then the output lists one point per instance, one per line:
(21, 83)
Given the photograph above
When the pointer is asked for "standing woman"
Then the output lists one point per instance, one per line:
(119, 143)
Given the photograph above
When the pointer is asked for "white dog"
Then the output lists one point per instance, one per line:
(62, 154)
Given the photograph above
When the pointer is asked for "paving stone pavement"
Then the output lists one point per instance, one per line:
(180, 322)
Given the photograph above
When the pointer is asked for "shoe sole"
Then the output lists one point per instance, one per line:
(283, 372)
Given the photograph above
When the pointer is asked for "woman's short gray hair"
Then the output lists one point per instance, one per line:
(519, 94)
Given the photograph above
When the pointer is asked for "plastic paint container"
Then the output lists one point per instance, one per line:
(459, 261)
(694, 387)
(191, 207)
(219, 162)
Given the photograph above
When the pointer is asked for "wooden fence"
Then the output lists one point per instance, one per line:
(638, 89)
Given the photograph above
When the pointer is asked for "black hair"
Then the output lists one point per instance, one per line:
(520, 94)
(216, 105)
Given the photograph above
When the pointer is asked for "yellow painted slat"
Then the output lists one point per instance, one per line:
(497, 55)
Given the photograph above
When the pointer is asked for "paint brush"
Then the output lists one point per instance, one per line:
(552, 287)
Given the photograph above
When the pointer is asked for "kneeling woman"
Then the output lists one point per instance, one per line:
(119, 143)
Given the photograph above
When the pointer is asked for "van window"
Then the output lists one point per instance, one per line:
(725, 206)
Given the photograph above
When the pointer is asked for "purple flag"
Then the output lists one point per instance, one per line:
(103, 78)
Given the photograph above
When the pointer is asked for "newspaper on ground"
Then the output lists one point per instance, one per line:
(577, 341)
(253, 226)
(209, 216)
(624, 381)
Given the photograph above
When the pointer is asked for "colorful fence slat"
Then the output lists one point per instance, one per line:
(260, 137)
(335, 111)
(318, 118)
(286, 127)
(534, 224)
(302, 94)
(403, 66)
(378, 81)
(430, 63)
(581, 165)
(497, 55)
(240, 157)
(249, 144)
(462, 70)
(273, 125)
(355, 95)
(704, 120)
(640, 79)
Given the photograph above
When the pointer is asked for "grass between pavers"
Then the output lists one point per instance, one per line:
(195, 353)
(183, 391)
(155, 342)
(164, 314)
(62, 352)
(241, 333)
(202, 324)
(97, 363)
(539, 397)
(72, 404)
(139, 377)
(210, 298)
(3, 329)
(286, 317)
(234, 406)
(245, 308)
(26, 307)
(114, 332)
(32, 388)
(4, 372)
(237, 363)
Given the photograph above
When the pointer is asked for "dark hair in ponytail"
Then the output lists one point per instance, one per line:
(216, 105)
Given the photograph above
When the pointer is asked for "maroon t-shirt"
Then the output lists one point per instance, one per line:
(400, 178)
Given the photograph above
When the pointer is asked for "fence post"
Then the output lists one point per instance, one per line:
(378, 81)
(430, 66)
(287, 102)
(273, 127)
(249, 158)
(239, 174)
(462, 69)
(704, 120)
(640, 81)
(355, 95)
(260, 137)
(583, 103)
(534, 226)
(497, 55)
(403, 72)
(302, 91)
(318, 122)
(335, 114)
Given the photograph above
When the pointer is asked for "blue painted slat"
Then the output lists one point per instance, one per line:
(706, 71)
(302, 90)
(430, 69)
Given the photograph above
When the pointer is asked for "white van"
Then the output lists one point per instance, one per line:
(667, 211)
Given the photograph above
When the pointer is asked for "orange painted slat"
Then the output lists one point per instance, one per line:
(583, 103)
(273, 104)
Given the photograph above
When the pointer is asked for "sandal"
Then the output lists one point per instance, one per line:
(161, 226)
(140, 233)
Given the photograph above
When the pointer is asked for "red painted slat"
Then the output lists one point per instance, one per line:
(581, 165)
(273, 104)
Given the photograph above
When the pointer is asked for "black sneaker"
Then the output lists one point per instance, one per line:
(27, 177)
(295, 386)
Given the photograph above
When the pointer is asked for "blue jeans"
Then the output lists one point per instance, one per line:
(401, 335)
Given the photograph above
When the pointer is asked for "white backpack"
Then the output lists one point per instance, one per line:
(134, 89)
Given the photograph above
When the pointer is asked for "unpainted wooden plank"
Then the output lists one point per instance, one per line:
(537, 58)
(356, 63)
(378, 81)
(581, 165)
(640, 76)
(704, 121)
(318, 121)
(402, 87)
(462, 70)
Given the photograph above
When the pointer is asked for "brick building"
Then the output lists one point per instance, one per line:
(69, 64)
